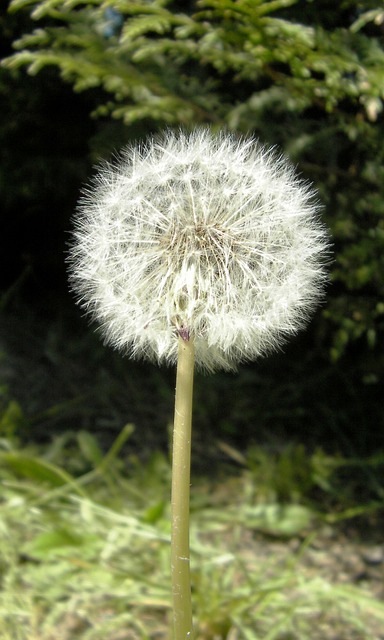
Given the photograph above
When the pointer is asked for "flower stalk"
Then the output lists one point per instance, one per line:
(181, 464)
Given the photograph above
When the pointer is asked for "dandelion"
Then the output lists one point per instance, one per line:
(193, 234)
(197, 249)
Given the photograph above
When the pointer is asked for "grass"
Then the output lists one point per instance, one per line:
(84, 548)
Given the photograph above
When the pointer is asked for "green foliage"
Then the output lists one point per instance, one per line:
(75, 550)
(176, 67)
(11, 417)
(307, 76)
(288, 489)
(290, 475)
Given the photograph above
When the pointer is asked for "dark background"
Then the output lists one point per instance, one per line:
(322, 390)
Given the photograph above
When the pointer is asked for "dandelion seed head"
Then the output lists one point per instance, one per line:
(200, 235)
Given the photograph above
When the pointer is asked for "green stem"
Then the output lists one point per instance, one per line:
(181, 465)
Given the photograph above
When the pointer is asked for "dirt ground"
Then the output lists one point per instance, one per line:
(343, 557)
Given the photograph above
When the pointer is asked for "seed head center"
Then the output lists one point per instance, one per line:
(203, 243)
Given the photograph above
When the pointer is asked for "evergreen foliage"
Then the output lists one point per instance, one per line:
(224, 63)
(308, 76)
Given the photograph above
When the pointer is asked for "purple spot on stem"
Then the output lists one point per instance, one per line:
(184, 334)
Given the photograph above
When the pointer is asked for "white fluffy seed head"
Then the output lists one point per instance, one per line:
(206, 236)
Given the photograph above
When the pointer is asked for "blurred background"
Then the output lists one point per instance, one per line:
(79, 80)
